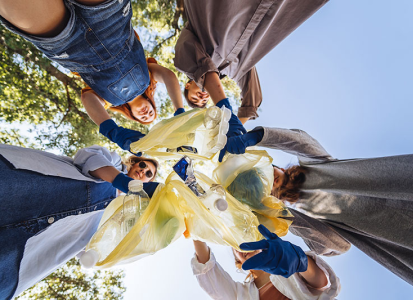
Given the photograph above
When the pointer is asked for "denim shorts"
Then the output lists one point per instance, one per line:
(29, 203)
(99, 43)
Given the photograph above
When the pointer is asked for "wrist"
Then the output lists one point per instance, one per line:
(121, 182)
(224, 102)
(106, 126)
(179, 111)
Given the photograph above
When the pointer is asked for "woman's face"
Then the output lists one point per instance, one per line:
(142, 109)
(196, 95)
(142, 170)
(278, 179)
(243, 256)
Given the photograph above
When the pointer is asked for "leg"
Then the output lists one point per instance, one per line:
(45, 18)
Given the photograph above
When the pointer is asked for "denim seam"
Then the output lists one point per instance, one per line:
(68, 213)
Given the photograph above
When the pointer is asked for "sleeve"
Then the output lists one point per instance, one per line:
(95, 157)
(294, 287)
(318, 236)
(217, 283)
(251, 95)
(296, 142)
(191, 57)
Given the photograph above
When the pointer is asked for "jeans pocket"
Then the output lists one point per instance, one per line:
(130, 85)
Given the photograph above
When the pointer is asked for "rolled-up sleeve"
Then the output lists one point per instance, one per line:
(96, 157)
(294, 287)
(218, 284)
(251, 95)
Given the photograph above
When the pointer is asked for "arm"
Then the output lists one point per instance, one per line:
(314, 276)
(201, 251)
(214, 280)
(94, 106)
(251, 96)
(293, 141)
(168, 77)
(99, 162)
(318, 236)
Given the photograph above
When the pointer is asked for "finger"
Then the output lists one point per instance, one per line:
(222, 153)
(266, 233)
(257, 262)
(139, 154)
(263, 244)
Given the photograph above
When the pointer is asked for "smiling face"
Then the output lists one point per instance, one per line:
(278, 179)
(142, 109)
(195, 95)
(143, 171)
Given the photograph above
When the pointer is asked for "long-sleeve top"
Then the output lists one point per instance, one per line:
(220, 286)
(64, 238)
(232, 39)
(365, 202)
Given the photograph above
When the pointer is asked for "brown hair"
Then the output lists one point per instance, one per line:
(148, 95)
(190, 104)
(294, 178)
(131, 160)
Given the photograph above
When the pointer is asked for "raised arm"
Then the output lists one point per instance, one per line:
(212, 278)
(166, 76)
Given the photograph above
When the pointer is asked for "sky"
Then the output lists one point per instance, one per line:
(345, 78)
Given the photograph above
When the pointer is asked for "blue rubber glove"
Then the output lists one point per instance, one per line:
(235, 126)
(238, 144)
(121, 182)
(179, 111)
(278, 257)
(119, 135)
(150, 187)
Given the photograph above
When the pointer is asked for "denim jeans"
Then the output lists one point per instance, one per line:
(99, 43)
(29, 203)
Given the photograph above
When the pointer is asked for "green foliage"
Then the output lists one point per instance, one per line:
(71, 282)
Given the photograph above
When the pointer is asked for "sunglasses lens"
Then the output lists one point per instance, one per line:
(142, 165)
(149, 174)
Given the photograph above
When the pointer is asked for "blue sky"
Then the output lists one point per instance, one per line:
(345, 77)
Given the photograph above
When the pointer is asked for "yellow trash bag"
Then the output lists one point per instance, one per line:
(231, 227)
(172, 211)
(160, 224)
(203, 129)
(249, 178)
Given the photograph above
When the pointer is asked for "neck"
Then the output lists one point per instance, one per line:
(261, 278)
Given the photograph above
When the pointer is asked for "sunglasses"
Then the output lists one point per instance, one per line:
(148, 173)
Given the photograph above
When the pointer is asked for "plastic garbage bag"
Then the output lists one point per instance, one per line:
(249, 178)
(172, 211)
(203, 129)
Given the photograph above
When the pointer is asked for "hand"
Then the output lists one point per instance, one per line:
(121, 182)
(238, 144)
(179, 111)
(278, 257)
(150, 187)
(119, 135)
(235, 126)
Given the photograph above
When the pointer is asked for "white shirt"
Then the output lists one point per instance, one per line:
(53, 247)
(220, 286)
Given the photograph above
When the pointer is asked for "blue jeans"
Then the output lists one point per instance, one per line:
(29, 202)
(99, 43)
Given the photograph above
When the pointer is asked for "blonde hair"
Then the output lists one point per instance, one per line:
(238, 265)
(131, 160)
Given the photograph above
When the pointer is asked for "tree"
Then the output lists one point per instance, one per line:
(71, 282)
